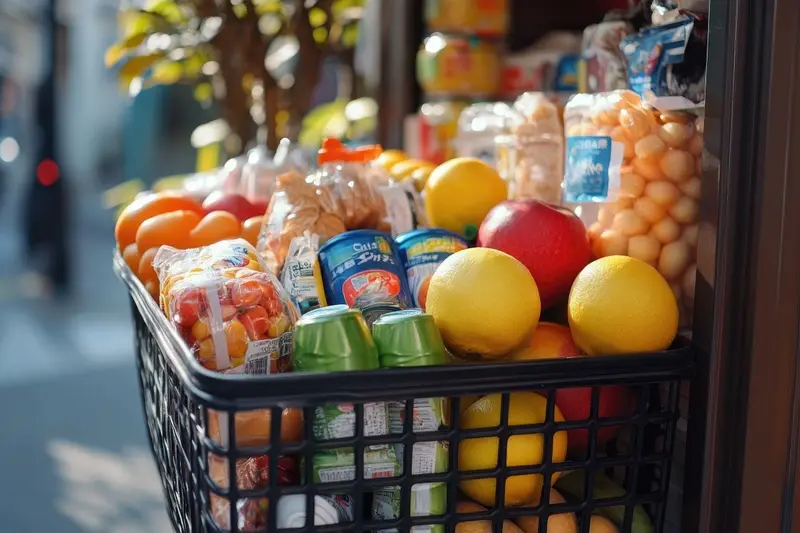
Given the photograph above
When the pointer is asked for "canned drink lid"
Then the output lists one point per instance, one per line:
(408, 338)
(329, 311)
(333, 340)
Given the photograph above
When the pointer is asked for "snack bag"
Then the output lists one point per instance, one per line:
(602, 65)
(668, 61)
(337, 198)
(532, 159)
(633, 175)
(235, 317)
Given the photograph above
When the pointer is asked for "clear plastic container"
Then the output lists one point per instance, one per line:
(531, 155)
(478, 128)
(647, 164)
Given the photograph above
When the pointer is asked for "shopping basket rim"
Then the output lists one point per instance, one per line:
(237, 390)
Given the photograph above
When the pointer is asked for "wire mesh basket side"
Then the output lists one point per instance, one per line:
(170, 416)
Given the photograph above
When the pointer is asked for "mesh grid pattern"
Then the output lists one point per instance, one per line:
(212, 484)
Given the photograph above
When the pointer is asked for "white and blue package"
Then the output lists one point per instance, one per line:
(592, 159)
(668, 60)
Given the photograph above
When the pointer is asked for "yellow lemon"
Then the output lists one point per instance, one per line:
(484, 302)
(521, 450)
(621, 305)
(389, 158)
(404, 169)
(460, 192)
(420, 177)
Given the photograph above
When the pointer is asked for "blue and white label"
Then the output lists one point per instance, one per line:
(592, 169)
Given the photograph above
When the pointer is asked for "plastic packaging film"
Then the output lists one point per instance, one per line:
(633, 175)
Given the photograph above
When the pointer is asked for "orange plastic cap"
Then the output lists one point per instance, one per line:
(333, 151)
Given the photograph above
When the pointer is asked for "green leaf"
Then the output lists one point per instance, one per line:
(166, 72)
(117, 51)
(137, 65)
(203, 92)
(317, 123)
(135, 22)
(169, 9)
(268, 7)
(317, 17)
(349, 36)
(320, 35)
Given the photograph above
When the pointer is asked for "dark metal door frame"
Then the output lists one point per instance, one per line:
(745, 414)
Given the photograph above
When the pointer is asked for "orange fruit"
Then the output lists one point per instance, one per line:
(152, 288)
(251, 228)
(147, 207)
(145, 268)
(131, 257)
(167, 229)
(214, 227)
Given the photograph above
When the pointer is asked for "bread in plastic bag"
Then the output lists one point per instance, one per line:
(340, 196)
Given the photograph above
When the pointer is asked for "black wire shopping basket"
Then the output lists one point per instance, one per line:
(375, 481)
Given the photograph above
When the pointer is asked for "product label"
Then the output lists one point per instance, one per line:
(339, 421)
(592, 169)
(343, 505)
(429, 415)
(426, 457)
(422, 255)
(650, 54)
(340, 465)
(427, 499)
(398, 209)
(297, 275)
(267, 356)
(364, 272)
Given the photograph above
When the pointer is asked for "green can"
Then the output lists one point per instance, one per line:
(408, 338)
(333, 339)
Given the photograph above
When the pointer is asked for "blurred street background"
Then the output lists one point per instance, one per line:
(73, 450)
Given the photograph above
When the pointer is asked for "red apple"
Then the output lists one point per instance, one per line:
(551, 241)
(236, 204)
(554, 340)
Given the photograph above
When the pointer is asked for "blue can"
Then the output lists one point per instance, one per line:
(363, 269)
(422, 251)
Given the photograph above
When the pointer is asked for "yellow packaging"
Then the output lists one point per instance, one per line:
(451, 65)
(477, 17)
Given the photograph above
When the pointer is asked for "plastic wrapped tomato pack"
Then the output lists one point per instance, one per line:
(642, 168)
(233, 314)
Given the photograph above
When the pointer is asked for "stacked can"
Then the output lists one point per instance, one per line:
(407, 339)
(459, 62)
(333, 339)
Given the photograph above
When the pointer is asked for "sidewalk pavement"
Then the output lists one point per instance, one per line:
(74, 450)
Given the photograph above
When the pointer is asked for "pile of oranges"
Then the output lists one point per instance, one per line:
(172, 219)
